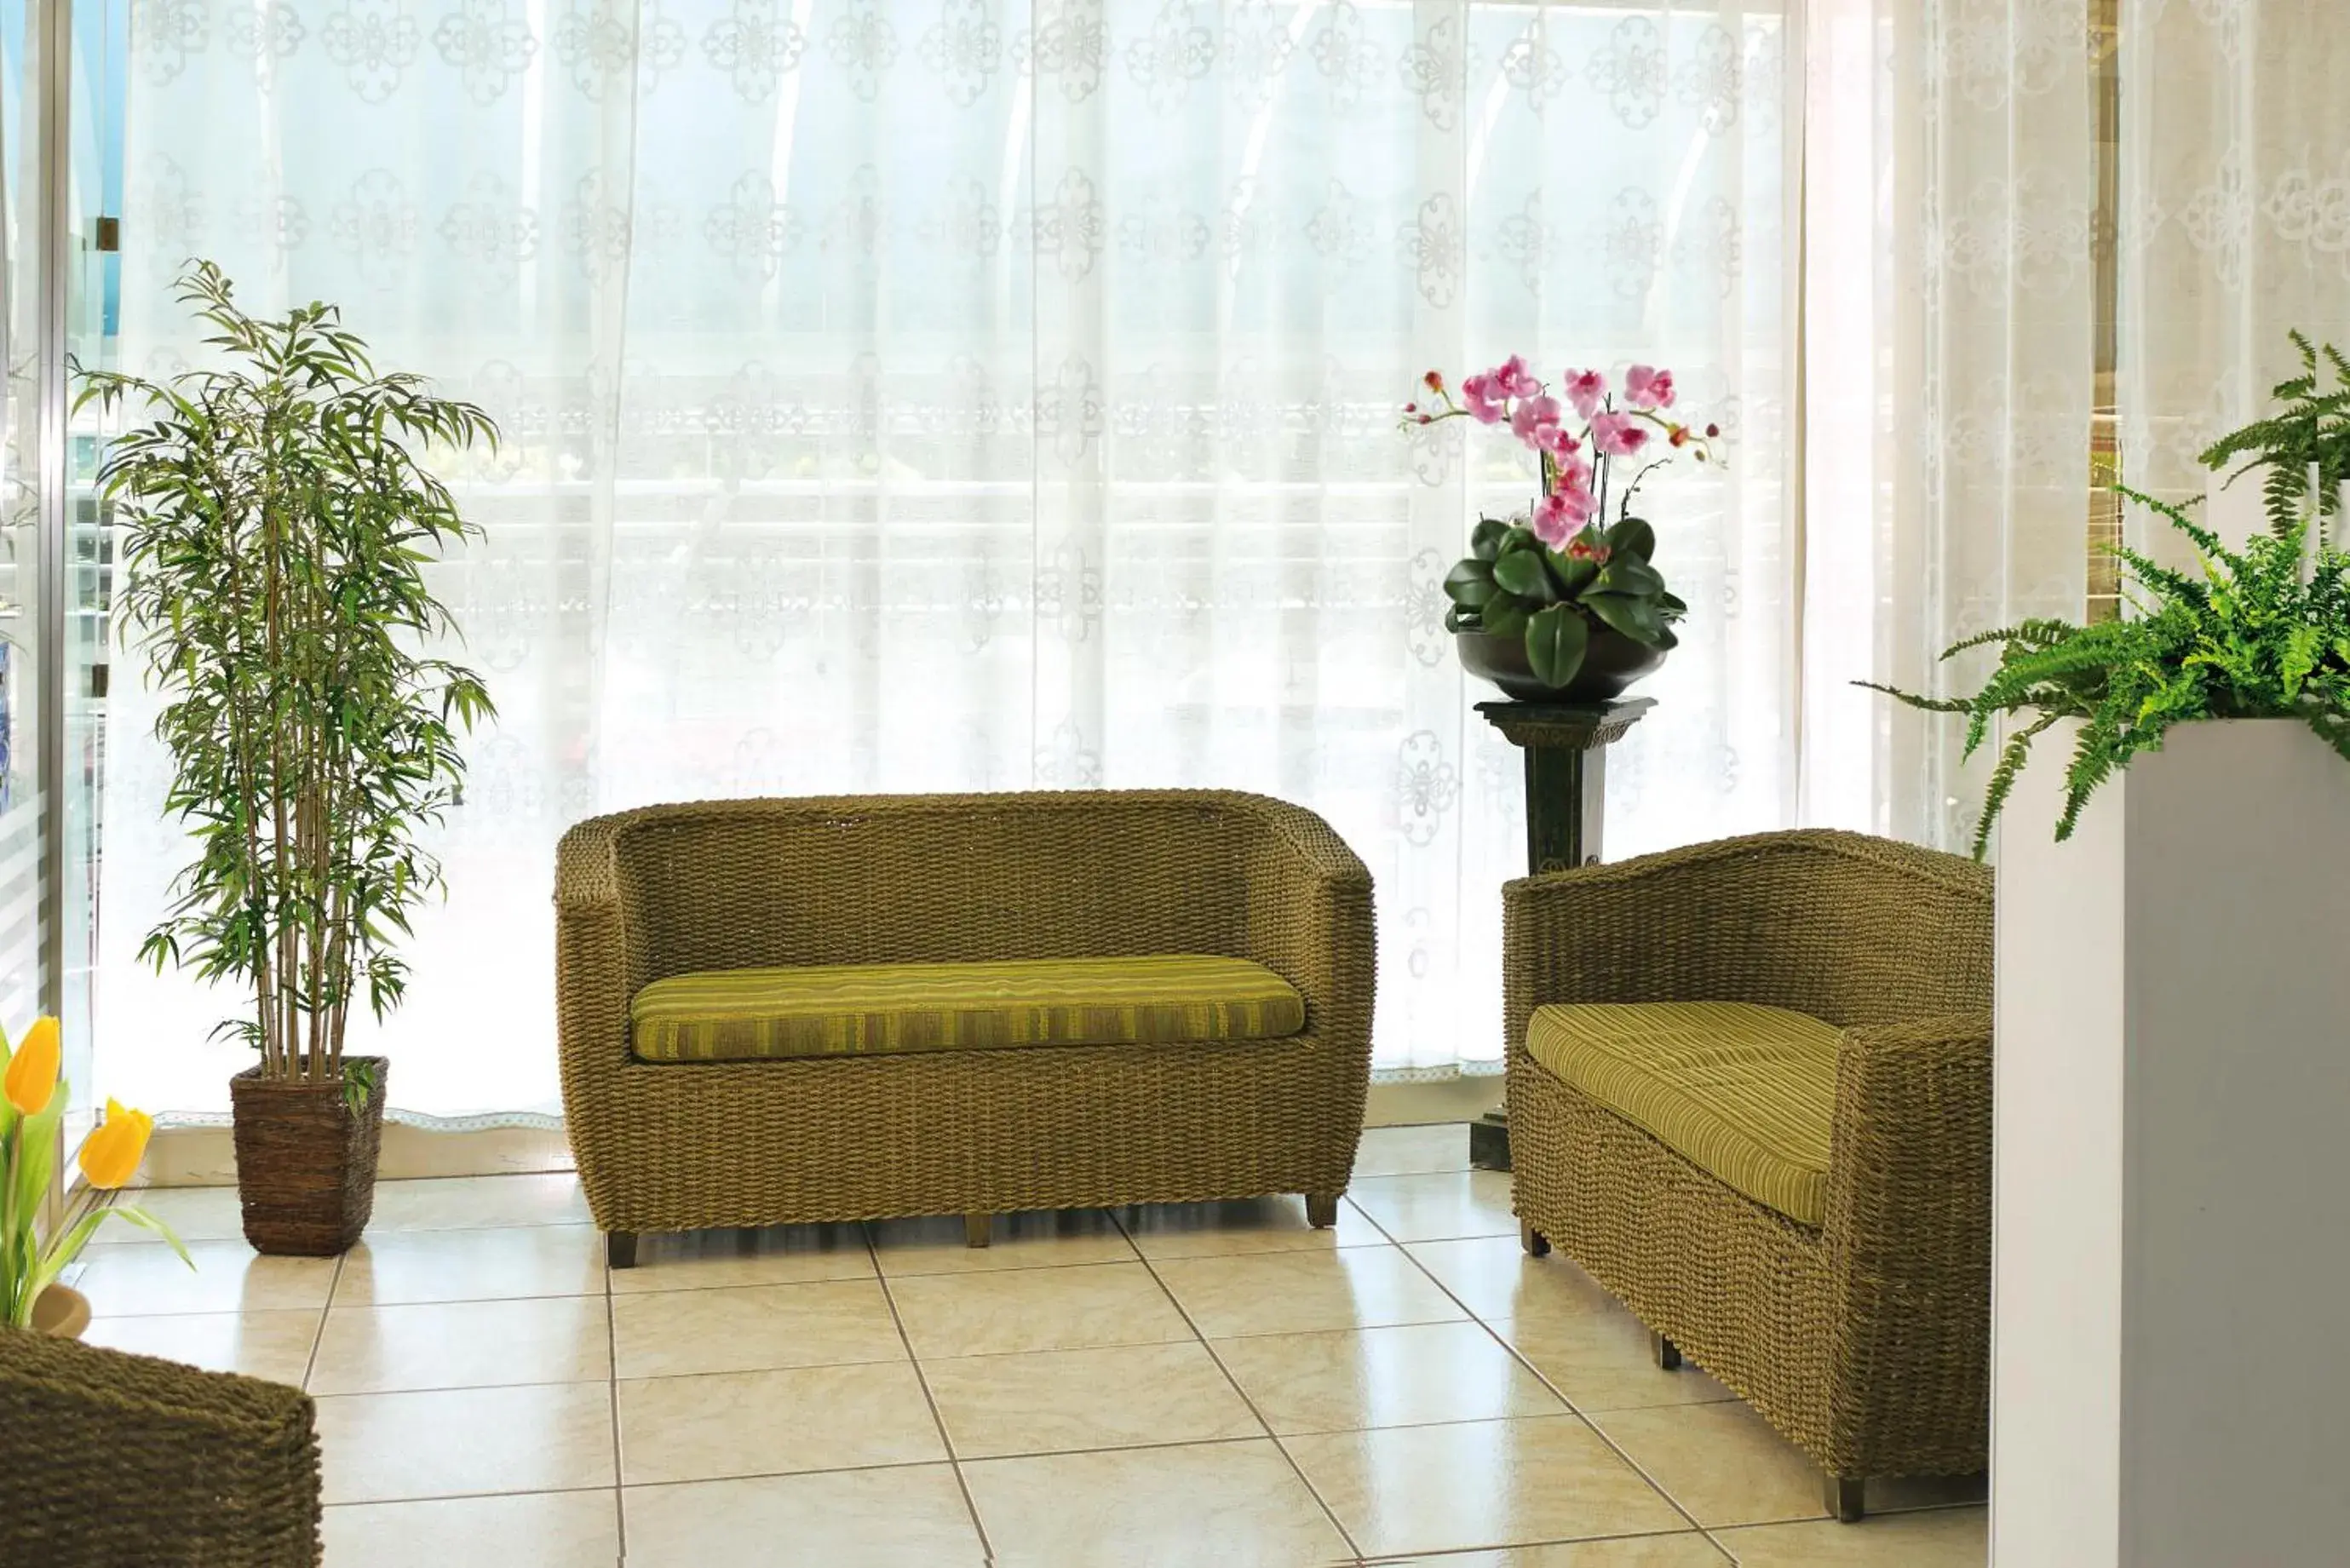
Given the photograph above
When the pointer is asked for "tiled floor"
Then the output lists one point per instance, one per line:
(1210, 1384)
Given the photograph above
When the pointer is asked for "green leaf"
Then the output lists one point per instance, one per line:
(1485, 539)
(1469, 583)
(1574, 574)
(1555, 640)
(1504, 616)
(1632, 536)
(1631, 575)
(1523, 573)
(1637, 618)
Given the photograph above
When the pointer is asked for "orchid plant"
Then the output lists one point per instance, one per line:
(1563, 568)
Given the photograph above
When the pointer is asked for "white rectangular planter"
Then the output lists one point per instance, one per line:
(2171, 1161)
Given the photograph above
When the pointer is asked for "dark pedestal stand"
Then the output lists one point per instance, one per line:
(1566, 805)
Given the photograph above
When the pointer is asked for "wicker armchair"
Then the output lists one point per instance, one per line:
(724, 885)
(112, 1461)
(1864, 1339)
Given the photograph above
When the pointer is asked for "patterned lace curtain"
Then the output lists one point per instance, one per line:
(985, 395)
(2235, 204)
(1953, 289)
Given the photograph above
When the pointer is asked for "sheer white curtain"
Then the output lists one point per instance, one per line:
(2235, 203)
(982, 394)
(1952, 292)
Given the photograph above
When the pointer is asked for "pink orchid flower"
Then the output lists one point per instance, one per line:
(1618, 435)
(1514, 380)
(1584, 548)
(1555, 522)
(1571, 471)
(1556, 440)
(1586, 389)
(1484, 402)
(1649, 388)
(1531, 417)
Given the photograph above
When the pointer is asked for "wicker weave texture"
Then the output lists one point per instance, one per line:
(673, 890)
(1865, 1341)
(110, 1460)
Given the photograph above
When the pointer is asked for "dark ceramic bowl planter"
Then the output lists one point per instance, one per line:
(1611, 662)
(306, 1160)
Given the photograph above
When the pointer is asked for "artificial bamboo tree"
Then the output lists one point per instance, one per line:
(278, 514)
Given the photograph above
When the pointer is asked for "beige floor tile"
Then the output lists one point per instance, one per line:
(193, 1214)
(911, 1518)
(1035, 1309)
(463, 1344)
(1115, 1396)
(724, 1424)
(1478, 1483)
(1603, 1360)
(1242, 1225)
(1689, 1549)
(1231, 1505)
(228, 1276)
(753, 1328)
(461, 1442)
(1720, 1462)
(775, 1255)
(1896, 1494)
(1495, 1278)
(1948, 1538)
(1336, 1382)
(1406, 1151)
(479, 1202)
(534, 1530)
(1041, 1239)
(272, 1344)
(1303, 1293)
(394, 1267)
(1438, 1206)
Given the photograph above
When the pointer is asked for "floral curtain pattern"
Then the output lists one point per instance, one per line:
(2235, 204)
(983, 395)
(1951, 304)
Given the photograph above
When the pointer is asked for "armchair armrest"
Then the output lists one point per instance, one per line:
(1309, 917)
(108, 1458)
(1908, 1223)
(1848, 928)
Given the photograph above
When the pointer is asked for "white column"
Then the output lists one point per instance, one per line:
(2171, 1227)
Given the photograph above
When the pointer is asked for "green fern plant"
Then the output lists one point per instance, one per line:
(2244, 639)
(2313, 427)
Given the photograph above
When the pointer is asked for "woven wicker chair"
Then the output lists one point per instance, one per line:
(725, 886)
(1864, 1339)
(111, 1460)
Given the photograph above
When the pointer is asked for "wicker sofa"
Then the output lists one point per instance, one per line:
(1750, 1092)
(681, 1123)
(112, 1461)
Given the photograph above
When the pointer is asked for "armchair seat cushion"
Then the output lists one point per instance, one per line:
(862, 1010)
(1744, 1093)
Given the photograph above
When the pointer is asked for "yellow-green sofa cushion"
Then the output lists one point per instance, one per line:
(855, 1010)
(1746, 1093)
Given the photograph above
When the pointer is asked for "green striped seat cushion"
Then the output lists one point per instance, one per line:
(1746, 1093)
(858, 1010)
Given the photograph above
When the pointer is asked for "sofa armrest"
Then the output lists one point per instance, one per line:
(1848, 928)
(593, 976)
(108, 1458)
(1908, 1223)
(1309, 918)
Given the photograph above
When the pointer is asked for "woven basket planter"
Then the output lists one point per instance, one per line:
(306, 1161)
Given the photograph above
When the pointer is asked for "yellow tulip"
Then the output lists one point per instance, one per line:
(110, 1155)
(33, 1070)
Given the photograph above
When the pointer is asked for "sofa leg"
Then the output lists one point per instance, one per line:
(620, 1249)
(1321, 1209)
(1536, 1244)
(1669, 1355)
(978, 1230)
(1842, 1496)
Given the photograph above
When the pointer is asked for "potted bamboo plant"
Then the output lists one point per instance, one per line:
(277, 514)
